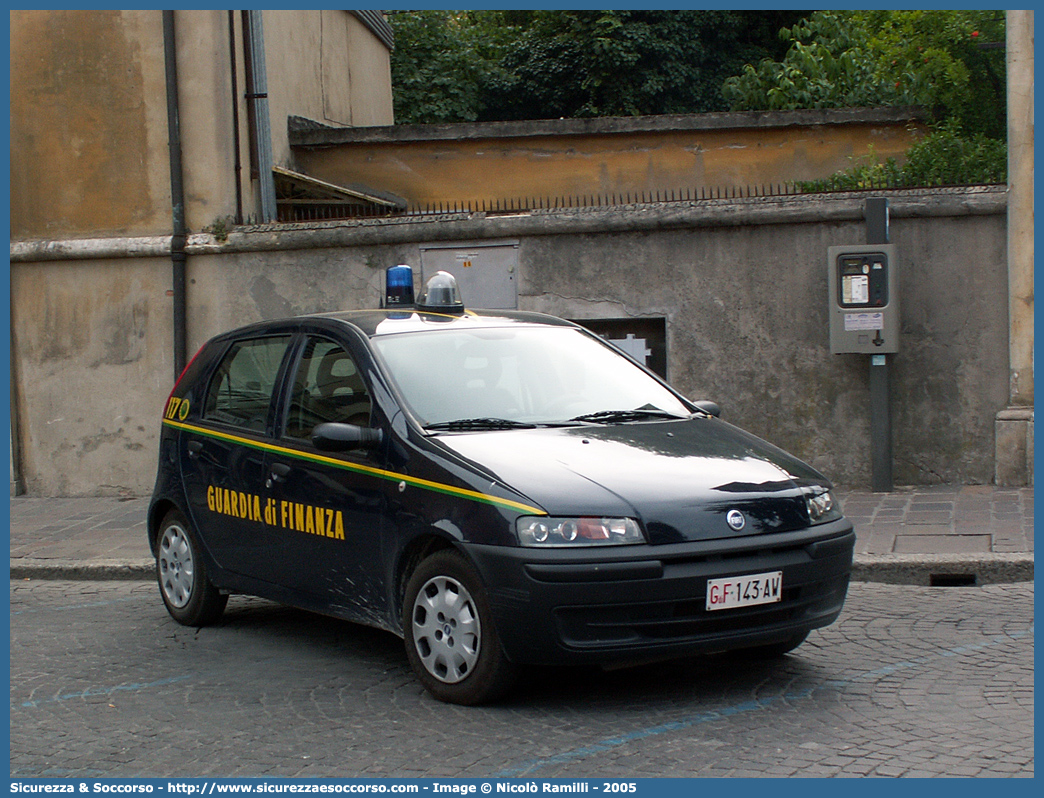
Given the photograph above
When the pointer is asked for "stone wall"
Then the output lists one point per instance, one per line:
(741, 284)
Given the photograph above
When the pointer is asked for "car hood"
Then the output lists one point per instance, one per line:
(680, 478)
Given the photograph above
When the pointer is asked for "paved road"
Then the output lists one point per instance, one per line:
(912, 681)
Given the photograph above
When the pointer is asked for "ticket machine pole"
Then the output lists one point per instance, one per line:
(880, 413)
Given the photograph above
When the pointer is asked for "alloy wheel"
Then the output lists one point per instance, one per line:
(446, 629)
(176, 568)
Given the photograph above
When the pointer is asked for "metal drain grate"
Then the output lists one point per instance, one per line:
(952, 580)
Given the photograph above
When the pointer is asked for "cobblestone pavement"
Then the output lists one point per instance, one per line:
(911, 681)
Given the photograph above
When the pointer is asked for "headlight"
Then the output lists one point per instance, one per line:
(822, 507)
(545, 531)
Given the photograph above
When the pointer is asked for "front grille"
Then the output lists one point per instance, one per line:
(688, 619)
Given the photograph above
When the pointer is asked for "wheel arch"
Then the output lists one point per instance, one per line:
(412, 555)
(157, 512)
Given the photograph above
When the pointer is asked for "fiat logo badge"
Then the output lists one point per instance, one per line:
(736, 520)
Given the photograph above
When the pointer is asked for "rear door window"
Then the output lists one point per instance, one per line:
(240, 392)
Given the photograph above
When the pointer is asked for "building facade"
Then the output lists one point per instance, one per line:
(90, 124)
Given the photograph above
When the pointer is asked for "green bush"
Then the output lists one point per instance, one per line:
(945, 158)
(942, 158)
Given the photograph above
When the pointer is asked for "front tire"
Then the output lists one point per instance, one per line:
(451, 641)
(186, 589)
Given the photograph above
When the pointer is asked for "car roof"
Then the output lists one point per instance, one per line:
(390, 321)
(386, 322)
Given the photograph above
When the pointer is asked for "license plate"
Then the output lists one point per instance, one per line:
(744, 591)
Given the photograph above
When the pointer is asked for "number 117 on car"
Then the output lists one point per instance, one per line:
(744, 591)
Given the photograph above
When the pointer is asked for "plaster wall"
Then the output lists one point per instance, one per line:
(89, 134)
(92, 362)
(1020, 61)
(227, 291)
(89, 150)
(487, 163)
(742, 285)
(325, 66)
(369, 77)
(747, 324)
(207, 110)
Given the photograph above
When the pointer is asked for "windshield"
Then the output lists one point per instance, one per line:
(519, 375)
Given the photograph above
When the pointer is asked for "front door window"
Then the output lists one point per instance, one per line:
(327, 387)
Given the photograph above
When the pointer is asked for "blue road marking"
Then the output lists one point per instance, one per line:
(92, 692)
(84, 606)
(751, 706)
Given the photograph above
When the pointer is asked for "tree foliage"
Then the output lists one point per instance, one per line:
(468, 66)
(497, 65)
(934, 59)
(851, 59)
(438, 66)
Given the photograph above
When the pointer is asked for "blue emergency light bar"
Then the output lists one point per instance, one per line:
(398, 287)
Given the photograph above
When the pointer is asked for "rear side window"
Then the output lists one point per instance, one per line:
(241, 390)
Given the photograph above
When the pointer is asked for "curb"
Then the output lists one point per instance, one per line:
(942, 570)
(74, 571)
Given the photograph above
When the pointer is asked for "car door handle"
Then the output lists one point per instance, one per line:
(194, 448)
(277, 473)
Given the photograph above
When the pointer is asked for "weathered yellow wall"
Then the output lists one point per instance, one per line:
(477, 169)
(88, 136)
(90, 142)
(206, 114)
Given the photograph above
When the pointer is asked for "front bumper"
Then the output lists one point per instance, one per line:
(613, 606)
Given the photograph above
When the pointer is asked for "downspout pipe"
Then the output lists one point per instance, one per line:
(177, 193)
(257, 95)
(237, 155)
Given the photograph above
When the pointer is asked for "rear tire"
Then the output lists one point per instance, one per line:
(186, 589)
(451, 641)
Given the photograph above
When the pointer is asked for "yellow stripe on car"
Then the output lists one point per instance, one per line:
(358, 468)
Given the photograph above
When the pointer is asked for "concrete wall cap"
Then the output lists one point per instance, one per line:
(469, 225)
(1016, 414)
(623, 125)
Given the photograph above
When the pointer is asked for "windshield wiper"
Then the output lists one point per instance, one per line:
(612, 416)
(479, 423)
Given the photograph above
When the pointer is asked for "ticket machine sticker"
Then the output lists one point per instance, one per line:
(864, 321)
(855, 289)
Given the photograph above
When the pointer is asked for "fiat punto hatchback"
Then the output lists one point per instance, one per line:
(500, 489)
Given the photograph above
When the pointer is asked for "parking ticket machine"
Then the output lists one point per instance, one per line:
(864, 300)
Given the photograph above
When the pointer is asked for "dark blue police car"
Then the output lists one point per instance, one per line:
(498, 488)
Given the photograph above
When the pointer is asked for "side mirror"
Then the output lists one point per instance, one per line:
(332, 437)
(708, 407)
